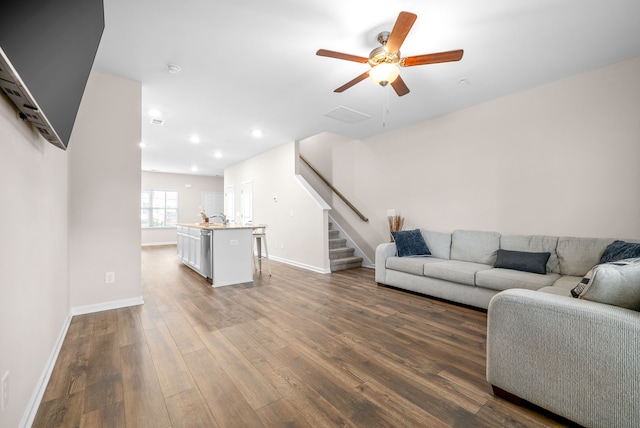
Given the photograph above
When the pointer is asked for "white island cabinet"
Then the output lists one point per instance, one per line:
(221, 253)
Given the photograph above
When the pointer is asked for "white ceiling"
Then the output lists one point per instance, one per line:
(250, 64)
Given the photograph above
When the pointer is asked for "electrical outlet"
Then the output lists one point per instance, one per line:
(109, 277)
(4, 392)
(234, 242)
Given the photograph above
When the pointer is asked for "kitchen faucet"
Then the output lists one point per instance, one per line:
(221, 216)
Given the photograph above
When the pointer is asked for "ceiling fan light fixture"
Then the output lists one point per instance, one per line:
(384, 73)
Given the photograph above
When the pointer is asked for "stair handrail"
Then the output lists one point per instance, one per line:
(336, 191)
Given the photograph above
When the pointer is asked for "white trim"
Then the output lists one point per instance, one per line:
(150, 244)
(99, 307)
(34, 403)
(312, 192)
(300, 265)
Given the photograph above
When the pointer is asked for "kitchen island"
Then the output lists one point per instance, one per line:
(221, 253)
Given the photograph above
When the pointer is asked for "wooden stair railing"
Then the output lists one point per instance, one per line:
(336, 191)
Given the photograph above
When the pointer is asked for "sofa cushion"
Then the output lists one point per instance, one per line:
(563, 286)
(410, 243)
(455, 271)
(616, 283)
(566, 283)
(533, 243)
(439, 243)
(523, 261)
(504, 279)
(576, 256)
(413, 265)
(619, 250)
(475, 246)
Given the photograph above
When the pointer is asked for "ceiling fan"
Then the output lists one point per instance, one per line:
(385, 60)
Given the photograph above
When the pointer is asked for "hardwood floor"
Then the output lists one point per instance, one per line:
(297, 349)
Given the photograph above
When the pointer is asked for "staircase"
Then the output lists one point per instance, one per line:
(340, 256)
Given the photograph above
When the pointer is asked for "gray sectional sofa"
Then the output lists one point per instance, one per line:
(461, 265)
(577, 358)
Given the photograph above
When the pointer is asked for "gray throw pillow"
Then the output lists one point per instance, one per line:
(616, 283)
(410, 243)
(523, 261)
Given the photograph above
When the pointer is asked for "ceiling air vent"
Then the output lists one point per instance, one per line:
(156, 121)
(347, 115)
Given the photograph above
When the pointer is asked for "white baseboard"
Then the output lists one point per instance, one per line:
(116, 304)
(152, 244)
(300, 265)
(32, 408)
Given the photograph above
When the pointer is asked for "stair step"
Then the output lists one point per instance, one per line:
(340, 253)
(345, 263)
(334, 234)
(337, 243)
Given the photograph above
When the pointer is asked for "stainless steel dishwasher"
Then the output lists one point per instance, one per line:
(205, 253)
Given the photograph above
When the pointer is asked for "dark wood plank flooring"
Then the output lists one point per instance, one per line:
(297, 349)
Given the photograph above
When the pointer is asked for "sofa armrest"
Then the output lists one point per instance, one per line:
(576, 358)
(383, 252)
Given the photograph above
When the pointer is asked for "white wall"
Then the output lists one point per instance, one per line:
(296, 222)
(559, 159)
(189, 200)
(34, 294)
(104, 192)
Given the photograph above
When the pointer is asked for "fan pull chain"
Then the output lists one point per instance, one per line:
(385, 105)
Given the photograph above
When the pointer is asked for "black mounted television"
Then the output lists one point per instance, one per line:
(47, 49)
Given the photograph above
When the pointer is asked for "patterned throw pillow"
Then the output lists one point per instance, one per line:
(410, 243)
(616, 283)
(619, 250)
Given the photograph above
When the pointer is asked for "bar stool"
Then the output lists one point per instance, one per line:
(260, 235)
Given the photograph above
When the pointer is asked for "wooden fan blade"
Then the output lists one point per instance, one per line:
(433, 58)
(352, 82)
(400, 30)
(340, 55)
(400, 87)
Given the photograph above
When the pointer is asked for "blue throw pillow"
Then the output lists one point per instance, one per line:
(619, 250)
(410, 243)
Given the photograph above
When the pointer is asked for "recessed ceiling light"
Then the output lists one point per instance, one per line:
(256, 133)
(194, 139)
(154, 112)
(194, 168)
(217, 155)
(174, 68)
(142, 145)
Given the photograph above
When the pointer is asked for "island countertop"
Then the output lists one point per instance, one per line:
(216, 226)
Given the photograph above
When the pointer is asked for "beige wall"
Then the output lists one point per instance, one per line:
(297, 221)
(34, 295)
(189, 188)
(559, 159)
(104, 191)
(60, 231)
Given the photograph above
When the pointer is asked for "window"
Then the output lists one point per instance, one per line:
(158, 208)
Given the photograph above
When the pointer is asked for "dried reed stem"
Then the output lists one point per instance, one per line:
(396, 222)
